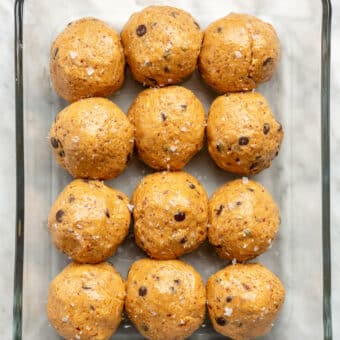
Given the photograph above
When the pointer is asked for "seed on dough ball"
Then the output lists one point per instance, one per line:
(161, 45)
(174, 129)
(170, 304)
(244, 300)
(89, 220)
(87, 60)
(95, 139)
(243, 134)
(244, 220)
(85, 301)
(238, 52)
(170, 218)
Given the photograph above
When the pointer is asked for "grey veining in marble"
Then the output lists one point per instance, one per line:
(298, 180)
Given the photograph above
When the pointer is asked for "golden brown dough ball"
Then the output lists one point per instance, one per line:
(244, 220)
(89, 220)
(244, 300)
(92, 138)
(170, 214)
(169, 126)
(238, 52)
(243, 134)
(87, 60)
(161, 45)
(85, 301)
(165, 299)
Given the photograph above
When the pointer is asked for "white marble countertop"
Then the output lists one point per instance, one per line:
(7, 166)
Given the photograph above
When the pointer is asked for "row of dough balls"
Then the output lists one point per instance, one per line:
(163, 300)
(172, 217)
(93, 138)
(162, 46)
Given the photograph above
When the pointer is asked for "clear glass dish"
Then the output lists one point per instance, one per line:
(298, 179)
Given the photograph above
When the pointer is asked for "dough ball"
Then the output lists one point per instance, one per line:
(170, 214)
(165, 299)
(92, 138)
(161, 45)
(244, 300)
(89, 220)
(85, 301)
(244, 220)
(87, 60)
(238, 52)
(243, 135)
(169, 126)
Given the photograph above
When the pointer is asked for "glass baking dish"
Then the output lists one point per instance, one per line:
(298, 179)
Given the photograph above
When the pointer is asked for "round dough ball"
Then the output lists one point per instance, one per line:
(169, 126)
(87, 60)
(161, 45)
(244, 300)
(244, 220)
(89, 220)
(85, 301)
(170, 214)
(243, 135)
(92, 138)
(238, 52)
(165, 299)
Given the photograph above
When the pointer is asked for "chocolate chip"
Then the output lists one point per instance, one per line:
(62, 153)
(237, 160)
(120, 197)
(253, 166)
(164, 117)
(197, 25)
(56, 51)
(192, 186)
(219, 147)
(142, 291)
(243, 140)
(71, 198)
(267, 61)
(221, 321)
(145, 327)
(172, 289)
(141, 30)
(183, 240)
(276, 153)
(153, 81)
(54, 142)
(266, 128)
(86, 287)
(107, 213)
(280, 127)
(169, 315)
(92, 308)
(180, 216)
(59, 215)
(184, 106)
(166, 69)
(219, 210)
(250, 189)
(176, 281)
(238, 203)
(245, 286)
(229, 298)
(219, 29)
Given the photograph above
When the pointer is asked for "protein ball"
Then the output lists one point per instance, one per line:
(169, 126)
(165, 299)
(161, 45)
(243, 135)
(92, 138)
(244, 220)
(87, 60)
(89, 220)
(244, 300)
(170, 214)
(85, 301)
(238, 52)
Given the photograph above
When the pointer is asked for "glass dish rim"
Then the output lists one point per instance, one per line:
(325, 173)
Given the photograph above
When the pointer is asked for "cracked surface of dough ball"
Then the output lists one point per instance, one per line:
(243, 134)
(170, 214)
(165, 299)
(85, 301)
(238, 52)
(244, 220)
(161, 45)
(89, 220)
(169, 126)
(92, 138)
(244, 300)
(87, 60)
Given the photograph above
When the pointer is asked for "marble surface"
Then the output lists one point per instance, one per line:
(7, 166)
